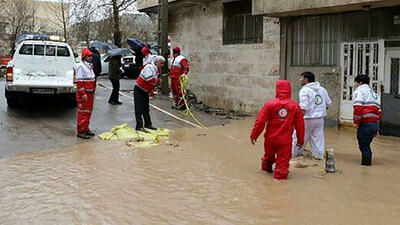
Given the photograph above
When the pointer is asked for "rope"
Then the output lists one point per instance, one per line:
(184, 81)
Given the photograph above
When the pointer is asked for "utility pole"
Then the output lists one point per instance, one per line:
(163, 41)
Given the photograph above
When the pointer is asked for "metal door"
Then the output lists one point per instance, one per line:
(390, 124)
(359, 58)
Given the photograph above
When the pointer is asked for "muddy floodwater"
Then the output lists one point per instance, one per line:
(201, 177)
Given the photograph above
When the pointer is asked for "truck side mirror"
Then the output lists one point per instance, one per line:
(76, 55)
(12, 52)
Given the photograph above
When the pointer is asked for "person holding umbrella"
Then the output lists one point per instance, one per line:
(115, 76)
(96, 61)
(114, 59)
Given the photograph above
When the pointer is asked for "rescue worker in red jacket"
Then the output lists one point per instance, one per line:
(279, 117)
(179, 66)
(366, 116)
(144, 88)
(85, 85)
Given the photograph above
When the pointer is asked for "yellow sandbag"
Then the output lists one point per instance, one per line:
(125, 133)
(106, 136)
(149, 136)
(114, 129)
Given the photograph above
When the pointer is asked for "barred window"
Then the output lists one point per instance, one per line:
(240, 26)
(315, 41)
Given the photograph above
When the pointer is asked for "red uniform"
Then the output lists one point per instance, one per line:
(179, 66)
(85, 84)
(367, 105)
(279, 117)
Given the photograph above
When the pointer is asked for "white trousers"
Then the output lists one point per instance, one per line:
(315, 135)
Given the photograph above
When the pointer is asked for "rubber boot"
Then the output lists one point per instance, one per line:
(265, 166)
(366, 160)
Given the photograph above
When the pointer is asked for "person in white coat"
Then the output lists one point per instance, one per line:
(314, 102)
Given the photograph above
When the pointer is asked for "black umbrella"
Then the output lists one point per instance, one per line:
(102, 45)
(135, 44)
(117, 52)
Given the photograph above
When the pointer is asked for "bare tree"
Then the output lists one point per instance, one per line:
(118, 7)
(18, 16)
(59, 14)
(83, 15)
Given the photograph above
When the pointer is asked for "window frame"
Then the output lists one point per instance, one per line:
(20, 50)
(240, 26)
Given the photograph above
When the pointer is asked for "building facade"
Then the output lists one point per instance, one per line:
(232, 67)
(336, 40)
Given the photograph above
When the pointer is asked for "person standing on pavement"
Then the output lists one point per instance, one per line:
(115, 76)
(366, 116)
(85, 85)
(148, 58)
(96, 61)
(179, 66)
(144, 88)
(279, 118)
(314, 102)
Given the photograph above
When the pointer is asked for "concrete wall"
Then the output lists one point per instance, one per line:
(238, 77)
(282, 8)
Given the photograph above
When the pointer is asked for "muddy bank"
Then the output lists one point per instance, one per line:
(200, 177)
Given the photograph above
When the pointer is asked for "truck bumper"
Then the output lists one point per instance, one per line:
(42, 89)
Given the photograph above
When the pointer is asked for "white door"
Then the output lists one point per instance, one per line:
(390, 122)
(392, 72)
(359, 58)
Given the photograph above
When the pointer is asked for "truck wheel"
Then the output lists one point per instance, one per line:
(12, 99)
(70, 100)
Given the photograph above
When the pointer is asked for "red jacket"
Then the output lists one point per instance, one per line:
(366, 103)
(179, 66)
(148, 78)
(280, 116)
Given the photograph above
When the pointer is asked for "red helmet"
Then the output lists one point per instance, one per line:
(145, 51)
(176, 50)
(86, 52)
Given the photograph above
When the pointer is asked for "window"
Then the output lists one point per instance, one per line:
(39, 50)
(315, 41)
(239, 26)
(50, 50)
(63, 51)
(26, 49)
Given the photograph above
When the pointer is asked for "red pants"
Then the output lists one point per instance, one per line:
(176, 91)
(279, 154)
(85, 108)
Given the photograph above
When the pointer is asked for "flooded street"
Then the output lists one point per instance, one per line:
(203, 177)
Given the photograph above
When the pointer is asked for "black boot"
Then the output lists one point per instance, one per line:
(366, 160)
(151, 127)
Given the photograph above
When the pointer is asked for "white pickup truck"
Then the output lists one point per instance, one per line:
(41, 68)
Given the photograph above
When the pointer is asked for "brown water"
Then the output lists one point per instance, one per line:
(212, 177)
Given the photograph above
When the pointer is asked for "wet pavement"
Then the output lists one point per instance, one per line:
(199, 176)
(47, 124)
(207, 177)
